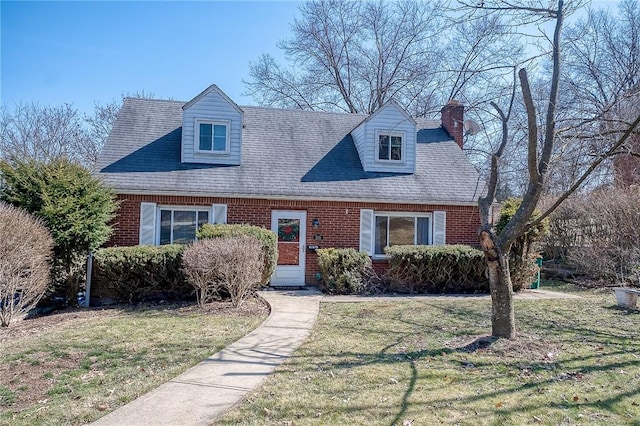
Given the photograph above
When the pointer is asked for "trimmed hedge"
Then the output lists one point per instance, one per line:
(436, 269)
(267, 238)
(343, 271)
(139, 273)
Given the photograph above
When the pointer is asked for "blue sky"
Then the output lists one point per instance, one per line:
(85, 52)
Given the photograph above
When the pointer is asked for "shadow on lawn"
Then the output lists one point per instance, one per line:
(592, 348)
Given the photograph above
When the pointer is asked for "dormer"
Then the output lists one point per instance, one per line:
(386, 140)
(211, 129)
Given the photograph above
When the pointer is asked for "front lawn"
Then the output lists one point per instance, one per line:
(425, 362)
(75, 366)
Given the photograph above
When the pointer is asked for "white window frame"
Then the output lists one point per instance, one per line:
(174, 208)
(196, 132)
(377, 214)
(390, 133)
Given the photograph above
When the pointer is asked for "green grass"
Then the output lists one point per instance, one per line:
(565, 287)
(425, 362)
(78, 372)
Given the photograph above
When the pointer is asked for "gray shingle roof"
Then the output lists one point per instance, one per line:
(285, 153)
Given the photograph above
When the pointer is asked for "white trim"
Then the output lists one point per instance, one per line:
(440, 234)
(390, 133)
(147, 225)
(218, 213)
(291, 275)
(367, 234)
(205, 92)
(295, 197)
(196, 138)
(384, 106)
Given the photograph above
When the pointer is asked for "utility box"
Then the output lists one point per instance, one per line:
(536, 282)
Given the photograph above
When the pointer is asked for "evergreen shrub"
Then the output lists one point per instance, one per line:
(436, 269)
(343, 271)
(140, 273)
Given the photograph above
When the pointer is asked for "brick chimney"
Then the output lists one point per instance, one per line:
(626, 167)
(452, 120)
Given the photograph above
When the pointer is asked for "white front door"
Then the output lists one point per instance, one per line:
(291, 229)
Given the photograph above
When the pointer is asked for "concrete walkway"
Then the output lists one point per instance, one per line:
(206, 391)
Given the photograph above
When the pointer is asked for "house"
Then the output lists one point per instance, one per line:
(626, 166)
(317, 179)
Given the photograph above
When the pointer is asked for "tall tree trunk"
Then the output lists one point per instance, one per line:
(503, 323)
(502, 313)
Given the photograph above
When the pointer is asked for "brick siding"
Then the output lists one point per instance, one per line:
(339, 221)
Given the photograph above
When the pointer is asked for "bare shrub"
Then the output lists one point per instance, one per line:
(601, 234)
(25, 250)
(224, 265)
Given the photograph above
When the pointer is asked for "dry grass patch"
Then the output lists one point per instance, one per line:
(429, 362)
(77, 365)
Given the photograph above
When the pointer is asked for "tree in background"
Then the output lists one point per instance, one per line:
(25, 252)
(46, 133)
(353, 56)
(544, 139)
(74, 205)
(42, 133)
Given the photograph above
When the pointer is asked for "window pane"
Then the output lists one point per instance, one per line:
(219, 137)
(383, 147)
(423, 231)
(184, 226)
(165, 226)
(381, 234)
(396, 147)
(401, 231)
(203, 217)
(206, 132)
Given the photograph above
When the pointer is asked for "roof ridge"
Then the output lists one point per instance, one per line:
(133, 98)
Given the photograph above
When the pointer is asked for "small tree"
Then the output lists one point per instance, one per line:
(523, 251)
(25, 251)
(74, 205)
(232, 265)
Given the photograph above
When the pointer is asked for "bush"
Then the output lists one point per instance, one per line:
(231, 264)
(73, 204)
(607, 228)
(524, 251)
(343, 271)
(437, 269)
(139, 273)
(25, 251)
(268, 239)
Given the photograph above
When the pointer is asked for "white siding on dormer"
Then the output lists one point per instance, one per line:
(214, 107)
(389, 118)
(358, 139)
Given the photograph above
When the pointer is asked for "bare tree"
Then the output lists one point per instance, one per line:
(46, 133)
(99, 126)
(42, 133)
(542, 140)
(353, 56)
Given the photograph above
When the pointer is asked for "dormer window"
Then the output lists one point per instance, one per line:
(390, 146)
(212, 136)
